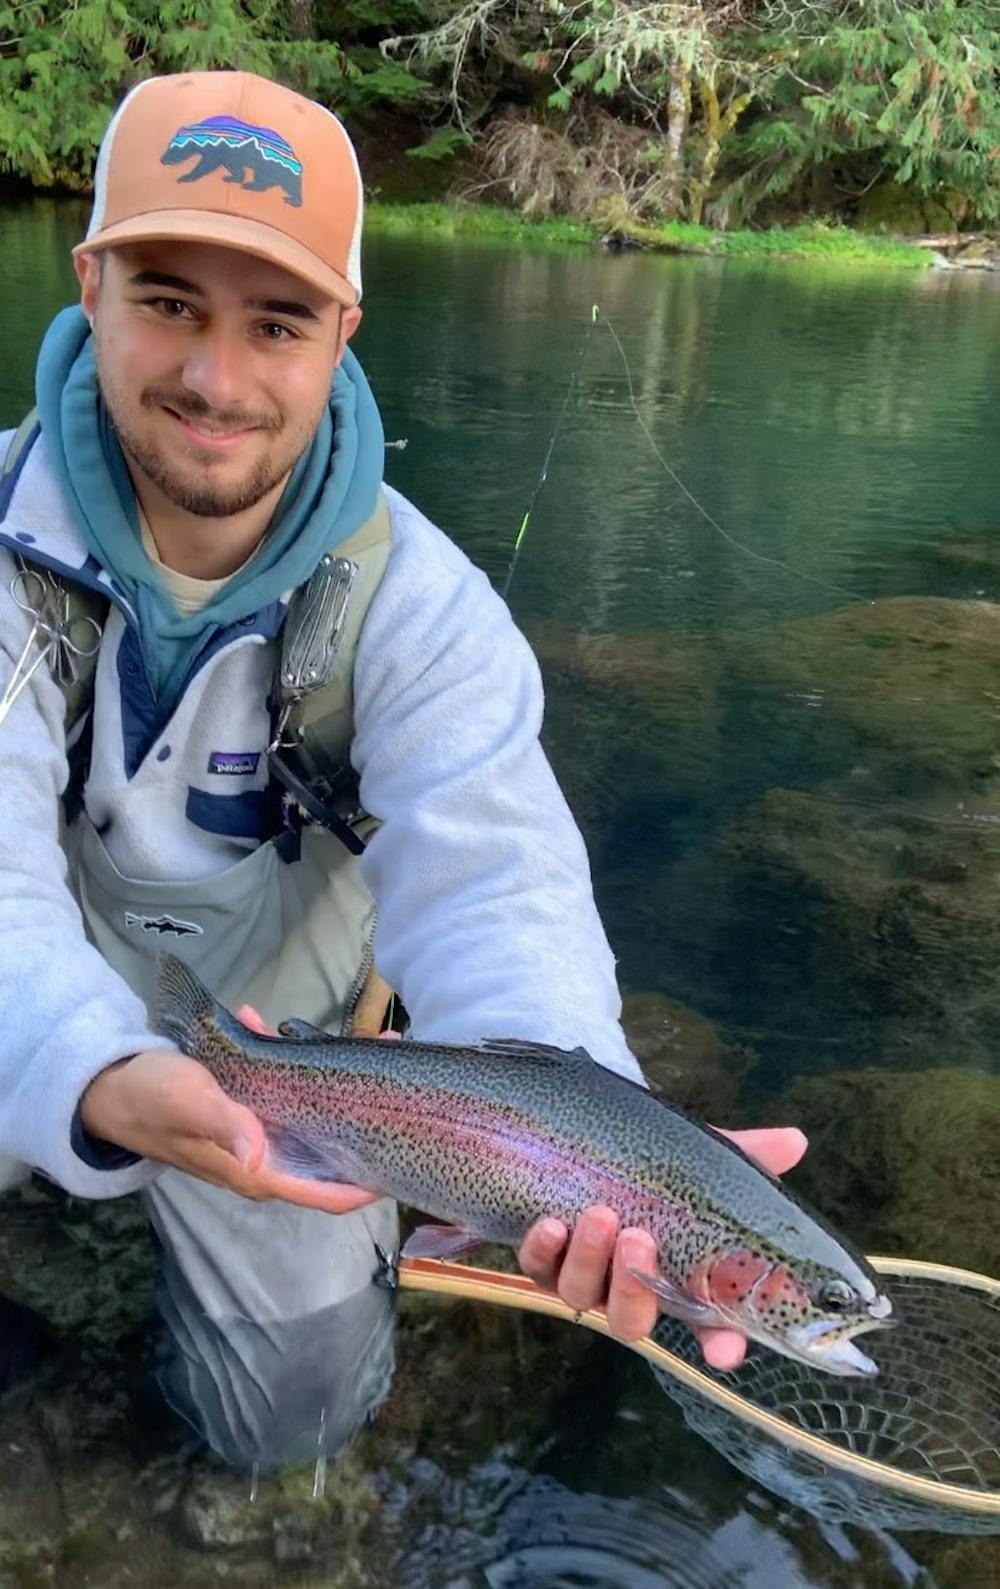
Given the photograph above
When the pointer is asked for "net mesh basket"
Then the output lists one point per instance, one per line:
(917, 1446)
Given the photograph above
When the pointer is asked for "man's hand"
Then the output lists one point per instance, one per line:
(594, 1267)
(169, 1108)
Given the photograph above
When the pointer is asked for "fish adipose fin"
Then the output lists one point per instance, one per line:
(679, 1304)
(290, 1154)
(182, 1003)
(304, 1031)
(440, 1241)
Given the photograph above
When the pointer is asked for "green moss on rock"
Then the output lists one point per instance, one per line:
(906, 1162)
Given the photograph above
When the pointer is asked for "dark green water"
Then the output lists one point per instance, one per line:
(780, 731)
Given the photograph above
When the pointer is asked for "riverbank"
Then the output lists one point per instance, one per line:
(810, 241)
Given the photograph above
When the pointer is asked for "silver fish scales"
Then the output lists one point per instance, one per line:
(489, 1139)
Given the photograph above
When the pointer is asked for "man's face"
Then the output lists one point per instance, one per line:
(215, 366)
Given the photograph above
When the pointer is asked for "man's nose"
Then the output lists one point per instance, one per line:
(215, 368)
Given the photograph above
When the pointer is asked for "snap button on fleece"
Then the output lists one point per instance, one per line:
(163, 754)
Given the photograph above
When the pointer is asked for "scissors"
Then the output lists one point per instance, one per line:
(61, 640)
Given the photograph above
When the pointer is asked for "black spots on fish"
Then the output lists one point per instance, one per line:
(782, 1296)
(733, 1275)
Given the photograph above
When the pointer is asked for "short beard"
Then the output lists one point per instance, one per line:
(201, 498)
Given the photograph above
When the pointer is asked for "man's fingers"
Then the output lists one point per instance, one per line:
(776, 1148)
(583, 1278)
(632, 1308)
(541, 1251)
(330, 1197)
(235, 1129)
(247, 1016)
(723, 1349)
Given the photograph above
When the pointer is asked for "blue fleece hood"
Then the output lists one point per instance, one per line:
(331, 492)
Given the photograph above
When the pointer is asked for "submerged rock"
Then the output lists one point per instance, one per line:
(980, 554)
(913, 680)
(905, 1161)
(906, 687)
(683, 1057)
(895, 912)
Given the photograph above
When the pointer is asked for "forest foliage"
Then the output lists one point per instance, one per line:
(725, 111)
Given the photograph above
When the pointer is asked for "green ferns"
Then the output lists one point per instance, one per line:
(63, 70)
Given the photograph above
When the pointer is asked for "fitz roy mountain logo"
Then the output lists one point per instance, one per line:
(255, 157)
(163, 926)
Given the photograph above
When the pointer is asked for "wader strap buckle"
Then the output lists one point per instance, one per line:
(298, 793)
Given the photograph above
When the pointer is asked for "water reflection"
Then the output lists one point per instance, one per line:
(515, 1530)
(505, 1528)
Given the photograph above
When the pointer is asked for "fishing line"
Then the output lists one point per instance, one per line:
(543, 476)
(597, 315)
(748, 551)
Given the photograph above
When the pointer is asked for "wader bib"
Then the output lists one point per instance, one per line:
(273, 1312)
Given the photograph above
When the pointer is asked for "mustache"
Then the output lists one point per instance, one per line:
(190, 406)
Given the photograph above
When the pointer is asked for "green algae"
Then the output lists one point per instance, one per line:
(905, 1161)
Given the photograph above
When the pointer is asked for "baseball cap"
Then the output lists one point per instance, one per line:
(230, 158)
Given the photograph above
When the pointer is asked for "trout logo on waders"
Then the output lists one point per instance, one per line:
(162, 925)
(256, 157)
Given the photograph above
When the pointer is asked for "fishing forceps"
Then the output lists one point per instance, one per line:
(61, 639)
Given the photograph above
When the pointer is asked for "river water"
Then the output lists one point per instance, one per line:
(760, 579)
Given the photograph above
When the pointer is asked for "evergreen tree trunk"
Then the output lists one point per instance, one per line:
(302, 19)
(679, 115)
(715, 127)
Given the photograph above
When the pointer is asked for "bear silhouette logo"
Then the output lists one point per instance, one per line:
(255, 157)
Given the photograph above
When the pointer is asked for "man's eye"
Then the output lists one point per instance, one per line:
(173, 308)
(272, 331)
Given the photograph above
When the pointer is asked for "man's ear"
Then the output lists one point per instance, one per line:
(350, 319)
(88, 270)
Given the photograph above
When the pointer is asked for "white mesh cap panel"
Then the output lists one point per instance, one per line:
(354, 252)
(104, 160)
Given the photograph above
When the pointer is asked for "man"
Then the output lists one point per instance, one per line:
(206, 438)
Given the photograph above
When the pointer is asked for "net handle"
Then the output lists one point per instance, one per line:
(517, 1291)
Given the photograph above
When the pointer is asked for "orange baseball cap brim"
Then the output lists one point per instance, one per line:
(228, 231)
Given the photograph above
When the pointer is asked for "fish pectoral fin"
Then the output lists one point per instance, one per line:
(440, 1241)
(303, 1030)
(679, 1304)
(290, 1154)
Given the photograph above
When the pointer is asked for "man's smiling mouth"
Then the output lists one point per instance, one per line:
(205, 433)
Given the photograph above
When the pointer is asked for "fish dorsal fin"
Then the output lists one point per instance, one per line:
(521, 1048)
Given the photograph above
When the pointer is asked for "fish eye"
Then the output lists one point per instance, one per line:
(837, 1296)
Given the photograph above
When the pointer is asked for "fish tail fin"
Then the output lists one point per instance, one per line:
(184, 1005)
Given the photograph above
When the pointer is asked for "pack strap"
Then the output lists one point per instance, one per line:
(82, 604)
(312, 699)
(19, 442)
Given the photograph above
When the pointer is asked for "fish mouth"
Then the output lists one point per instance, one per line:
(828, 1344)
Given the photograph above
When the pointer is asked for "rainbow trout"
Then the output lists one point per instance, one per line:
(489, 1139)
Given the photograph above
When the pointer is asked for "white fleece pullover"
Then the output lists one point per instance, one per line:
(487, 924)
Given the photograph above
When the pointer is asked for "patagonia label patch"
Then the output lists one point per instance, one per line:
(234, 763)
